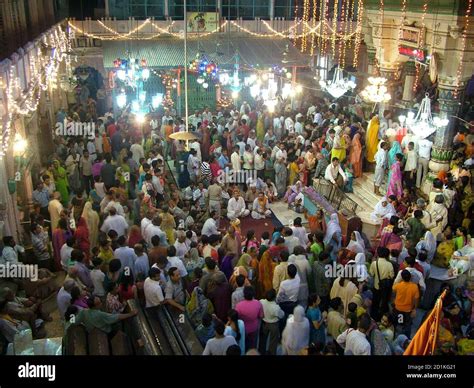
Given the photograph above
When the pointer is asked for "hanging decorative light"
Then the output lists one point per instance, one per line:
(376, 91)
(131, 71)
(339, 85)
(121, 100)
(423, 124)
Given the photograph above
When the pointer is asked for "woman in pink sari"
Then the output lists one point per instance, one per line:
(82, 238)
(395, 186)
(390, 237)
(60, 235)
(355, 155)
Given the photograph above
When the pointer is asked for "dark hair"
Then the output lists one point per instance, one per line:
(399, 157)
(77, 255)
(297, 221)
(121, 240)
(288, 232)
(284, 255)
(352, 307)
(233, 350)
(270, 295)
(71, 310)
(210, 264)
(312, 299)
(197, 272)
(240, 280)
(171, 271)
(249, 293)
(365, 321)
(383, 252)
(418, 213)
(299, 250)
(323, 256)
(406, 275)
(234, 317)
(154, 272)
(335, 303)
(412, 252)
(206, 319)
(410, 260)
(171, 251)
(292, 271)
(115, 265)
(423, 255)
(155, 241)
(219, 327)
(75, 293)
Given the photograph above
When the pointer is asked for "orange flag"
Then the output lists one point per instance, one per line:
(424, 341)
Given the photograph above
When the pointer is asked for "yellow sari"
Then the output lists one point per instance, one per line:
(372, 139)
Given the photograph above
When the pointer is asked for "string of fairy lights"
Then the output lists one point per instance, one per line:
(43, 69)
(463, 48)
(420, 46)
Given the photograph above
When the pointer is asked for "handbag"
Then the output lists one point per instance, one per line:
(384, 284)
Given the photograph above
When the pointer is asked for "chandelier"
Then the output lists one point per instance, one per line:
(339, 85)
(130, 72)
(376, 91)
(205, 69)
(423, 124)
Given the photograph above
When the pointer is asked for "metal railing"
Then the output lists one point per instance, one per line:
(335, 196)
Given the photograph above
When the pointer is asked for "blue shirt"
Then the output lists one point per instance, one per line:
(316, 335)
(126, 256)
(223, 161)
(41, 197)
(142, 265)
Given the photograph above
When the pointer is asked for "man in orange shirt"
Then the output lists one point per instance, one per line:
(407, 295)
(168, 129)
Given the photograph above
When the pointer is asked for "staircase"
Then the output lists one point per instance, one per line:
(365, 198)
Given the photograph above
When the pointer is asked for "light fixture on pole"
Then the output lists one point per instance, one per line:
(423, 124)
(339, 85)
(376, 91)
(19, 145)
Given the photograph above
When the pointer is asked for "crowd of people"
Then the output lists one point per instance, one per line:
(109, 213)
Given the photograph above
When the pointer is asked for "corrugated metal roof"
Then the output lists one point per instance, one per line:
(169, 52)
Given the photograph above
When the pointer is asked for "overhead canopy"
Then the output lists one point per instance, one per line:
(169, 52)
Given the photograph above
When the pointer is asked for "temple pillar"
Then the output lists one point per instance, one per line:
(442, 149)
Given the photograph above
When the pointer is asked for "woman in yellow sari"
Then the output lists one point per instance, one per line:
(266, 268)
(372, 140)
(445, 249)
(339, 145)
(260, 128)
(168, 225)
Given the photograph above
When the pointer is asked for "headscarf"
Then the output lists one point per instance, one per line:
(244, 261)
(333, 227)
(198, 305)
(361, 269)
(296, 333)
(383, 211)
(428, 244)
(357, 246)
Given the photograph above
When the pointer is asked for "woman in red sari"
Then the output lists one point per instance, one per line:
(60, 235)
(135, 236)
(215, 167)
(355, 156)
(82, 238)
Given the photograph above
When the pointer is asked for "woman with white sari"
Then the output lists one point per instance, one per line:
(357, 244)
(383, 209)
(428, 243)
(295, 337)
(333, 237)
(360, 267)
(439, 215)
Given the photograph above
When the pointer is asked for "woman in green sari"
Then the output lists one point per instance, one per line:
(60, 179)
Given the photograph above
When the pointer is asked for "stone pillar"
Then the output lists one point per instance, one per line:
(272, 9)
(442, 150)
(410, 74)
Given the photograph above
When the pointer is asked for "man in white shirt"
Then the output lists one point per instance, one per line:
(153, 229)
(272, 313)
(380, 166)
(287, 296)
(195, 119)
(291, 242)
(152, 288)
(235, 159)
(10, 251)
(335, 174)
(115, 222)
(210, 226)
(277, 127)
(218, 345)
(65, 253)
(424, 153)
(289, 125)
(281, 153)
(137, 152)
(193, 165)
(236, 207)
(354, 342)
(180, 244)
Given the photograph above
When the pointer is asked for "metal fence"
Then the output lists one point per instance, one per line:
(335, 196)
